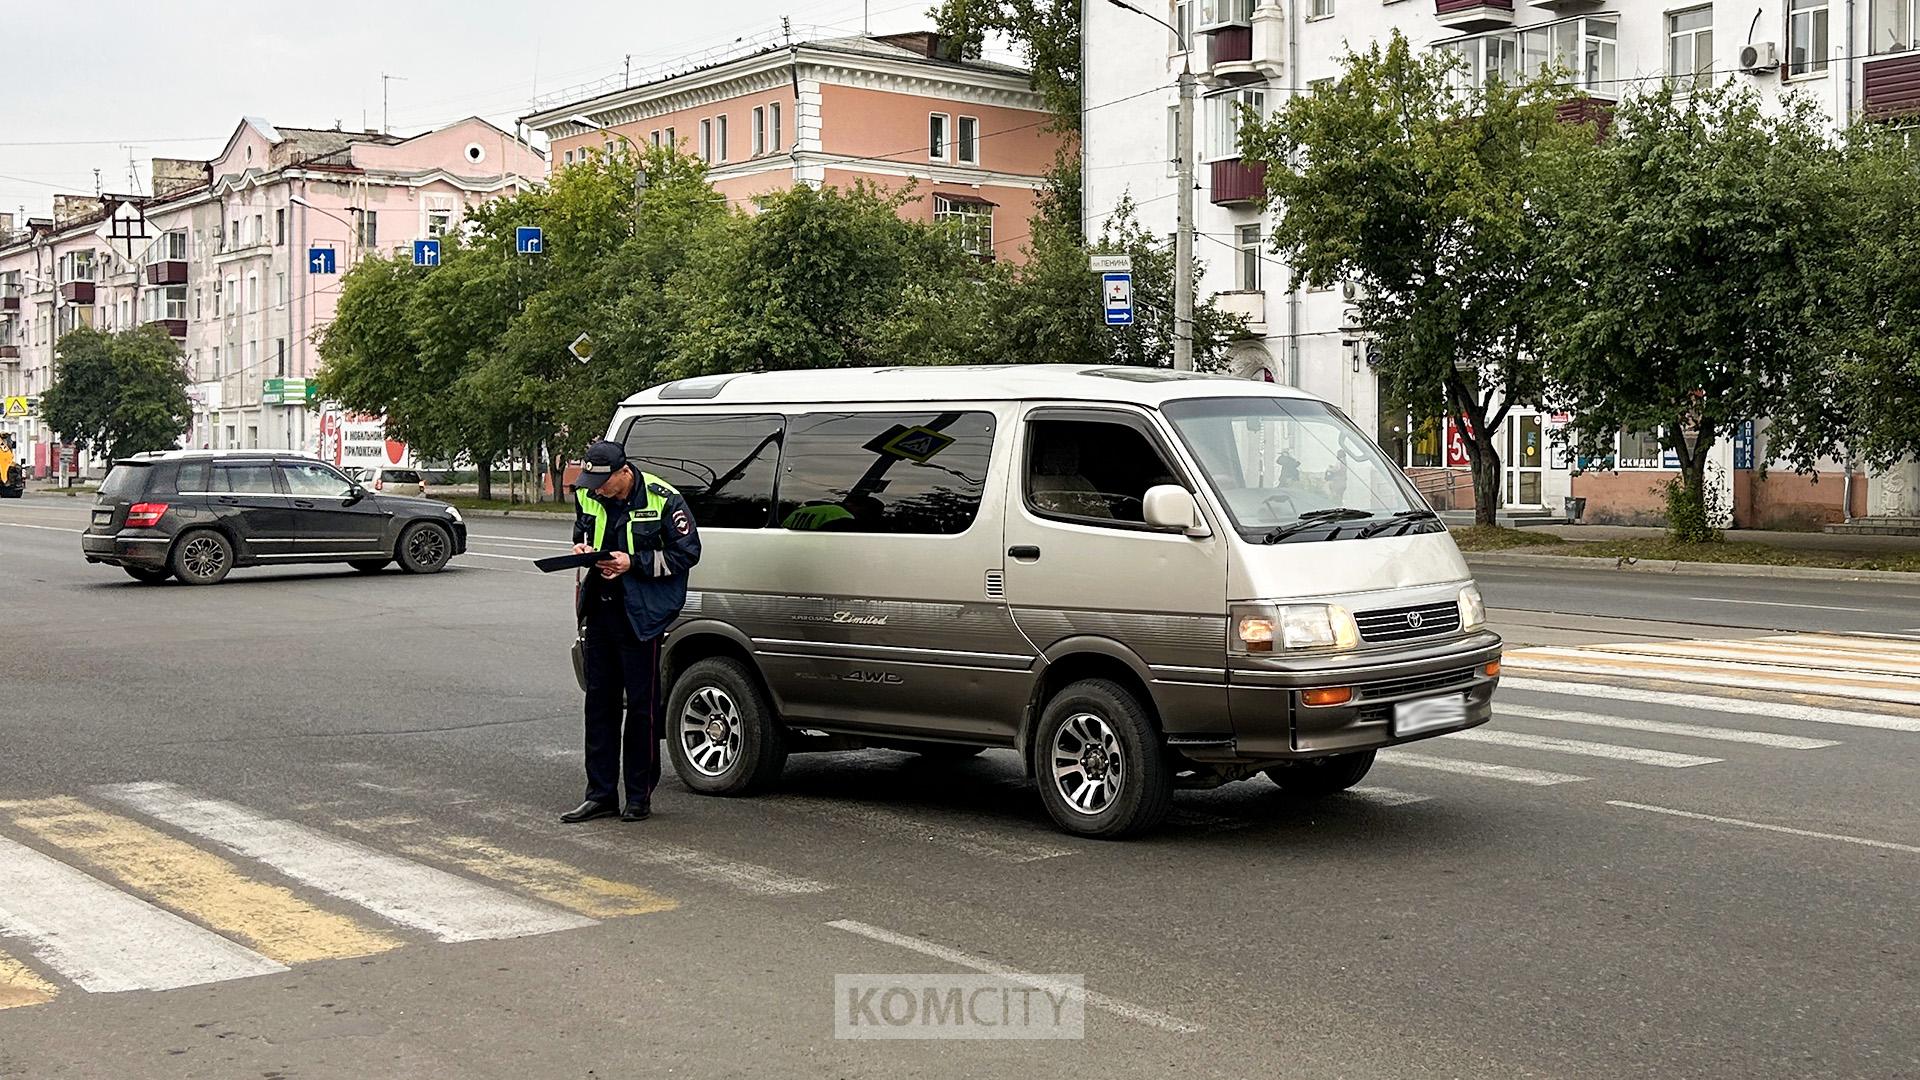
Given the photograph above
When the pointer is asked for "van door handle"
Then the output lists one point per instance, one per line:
(1024, 552)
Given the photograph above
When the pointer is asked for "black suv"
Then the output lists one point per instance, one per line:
(195, 515)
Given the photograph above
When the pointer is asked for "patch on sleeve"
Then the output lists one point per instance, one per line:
(682, 524)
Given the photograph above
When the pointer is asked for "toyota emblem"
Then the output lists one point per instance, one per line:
(1415, 620)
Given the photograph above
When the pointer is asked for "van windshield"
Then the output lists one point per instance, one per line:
(1277, 463)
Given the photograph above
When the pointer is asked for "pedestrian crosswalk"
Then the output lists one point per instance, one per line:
(1861, 667)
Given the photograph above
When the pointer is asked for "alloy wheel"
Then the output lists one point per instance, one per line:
(203, 557)
(1089, 764)
(710, 731)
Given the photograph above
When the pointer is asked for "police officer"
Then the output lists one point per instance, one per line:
(625, 605)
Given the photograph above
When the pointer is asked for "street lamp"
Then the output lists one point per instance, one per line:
(1183, 227)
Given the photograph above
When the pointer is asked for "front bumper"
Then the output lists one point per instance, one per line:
(131, 548)
(1270, 721)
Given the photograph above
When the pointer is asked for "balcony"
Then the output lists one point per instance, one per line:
(1469, 16)
(1586, 110)
(167, 272)
(77, 292)
(1891, 87)
(1233, 182)
(1250, 305)
(175, 328)
(1229, 46)
(9, 352)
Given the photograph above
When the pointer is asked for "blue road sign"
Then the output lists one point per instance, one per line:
(1117, 289)
(321, 261)
(426, 253)
(527, 240)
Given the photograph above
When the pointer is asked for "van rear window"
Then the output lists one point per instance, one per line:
(885, 472)
(127, 479)
(723, 465)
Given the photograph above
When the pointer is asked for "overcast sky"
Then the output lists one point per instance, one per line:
(173, 79)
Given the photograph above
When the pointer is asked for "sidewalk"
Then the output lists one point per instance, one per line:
(1791, 541)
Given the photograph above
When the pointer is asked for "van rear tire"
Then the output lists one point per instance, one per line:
(1316, 778)
(721, 732)
(1101, 767)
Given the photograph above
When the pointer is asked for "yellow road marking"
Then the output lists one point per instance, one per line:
(202, 886)
(19, 986)
(549, 879)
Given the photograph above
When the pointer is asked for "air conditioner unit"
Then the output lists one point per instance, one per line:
(1353, 292)
(1760, 58)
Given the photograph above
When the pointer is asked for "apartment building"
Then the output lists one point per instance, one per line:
(971, 137)
(240, 258)
(1853, 57)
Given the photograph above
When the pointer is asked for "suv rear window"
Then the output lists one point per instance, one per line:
(401, 476)
(127, 480)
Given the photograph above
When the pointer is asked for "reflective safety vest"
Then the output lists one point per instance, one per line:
(816, 517)
(649, 514)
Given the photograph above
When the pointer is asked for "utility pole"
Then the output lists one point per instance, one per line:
(1183, 225)
(384, 80)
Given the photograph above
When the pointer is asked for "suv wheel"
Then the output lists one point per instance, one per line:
(1313, 778)
(1100, 764)
(721, 732)
(147, 575)
(201, 558)
(425, 548)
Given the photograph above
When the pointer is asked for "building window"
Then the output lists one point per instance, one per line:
(1246, 240)
(1322, 9)
(759, 131)
(280, 228)
(1587, 46)
(1690, 47)
(1223, 121)
(1807, 37)
(1640, 450)
(280, 357)
(252, 356)
(219, 370)
(672, 143)
(971, 218)
(720, 137)
(937, 142)
(706, 140)
(280, 289)
(259, 234)
(654, 137)
(569, 157)
(369, 228)
(1182, 24)
(967, 141)
(216, 299)
(199, 303)
(773, 123)
(1890, 26)
(233, 297)
(253, 293)
(172, 246)
(440, 214)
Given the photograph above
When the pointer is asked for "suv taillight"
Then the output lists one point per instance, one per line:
(145, 515)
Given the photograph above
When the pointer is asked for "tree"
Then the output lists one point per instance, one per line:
(1692, 271)
(1424, 188)
(118, 394)
(1046, 33)
(1877, 336)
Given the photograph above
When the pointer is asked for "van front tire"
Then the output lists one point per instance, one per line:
(721, 732)
(1101, 766)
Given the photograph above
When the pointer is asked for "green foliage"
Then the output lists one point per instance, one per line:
(1428, 193)
(1045, 32)
(1877, 334)
(1692, 259)
(1692, 510)
(118, 394)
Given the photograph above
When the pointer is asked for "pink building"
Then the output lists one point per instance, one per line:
(241, 259)
(972, 138)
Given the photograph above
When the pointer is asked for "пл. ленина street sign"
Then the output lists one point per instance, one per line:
(1110, 264)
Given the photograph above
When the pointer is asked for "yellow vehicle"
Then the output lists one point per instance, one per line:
(12, 482)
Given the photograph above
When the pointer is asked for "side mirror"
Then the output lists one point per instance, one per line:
(1171, 508)
(355, 493)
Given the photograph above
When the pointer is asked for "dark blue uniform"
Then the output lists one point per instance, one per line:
(624, 618)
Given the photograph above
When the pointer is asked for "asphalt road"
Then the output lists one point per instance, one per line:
(1590, 892)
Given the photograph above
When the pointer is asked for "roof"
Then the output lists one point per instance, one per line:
(1059, 382)
(191, 455)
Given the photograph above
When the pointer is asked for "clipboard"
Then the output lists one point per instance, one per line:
(571, 561)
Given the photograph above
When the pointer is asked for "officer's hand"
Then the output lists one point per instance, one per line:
(582, 549)
(615, 564)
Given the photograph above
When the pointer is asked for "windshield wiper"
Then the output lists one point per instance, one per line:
(1406, 519)
(1315, 517)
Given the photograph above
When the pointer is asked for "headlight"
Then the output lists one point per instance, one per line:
(453, 515)
(1258, 628)
(1473, 610)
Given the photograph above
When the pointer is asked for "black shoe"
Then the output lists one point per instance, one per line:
(637, 812)
(587, 811)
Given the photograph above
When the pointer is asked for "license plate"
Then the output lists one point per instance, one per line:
(102, 517)
(1414, 717)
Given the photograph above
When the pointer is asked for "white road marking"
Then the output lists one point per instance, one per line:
(1782, 710)
(1716, 673)
(1481, 769)
(490, 555)
(648, 851)
(42, 528)
(1386, 796)
(1663, 727)
(1778, 603)
(1551, 744)
(105, 940)
(1812, 660)
(520, 541)
(1126, 1010)
(449, 907)
(1861, 840)
(993, 845)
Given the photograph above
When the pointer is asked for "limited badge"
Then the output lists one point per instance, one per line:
(682, 523)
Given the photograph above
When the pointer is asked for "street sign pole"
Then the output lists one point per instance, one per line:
(1183, 233)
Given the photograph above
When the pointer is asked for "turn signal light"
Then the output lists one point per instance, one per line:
(1327, 695)
(145, 515)
(1492, 669)
(1256, 634)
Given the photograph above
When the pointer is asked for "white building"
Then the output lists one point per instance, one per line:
(1260, 52)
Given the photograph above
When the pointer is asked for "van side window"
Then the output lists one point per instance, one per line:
(1091, 471)
(724, 465)
(885, 472)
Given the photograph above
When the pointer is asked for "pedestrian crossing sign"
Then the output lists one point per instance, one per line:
(917, 444)
(17, 407)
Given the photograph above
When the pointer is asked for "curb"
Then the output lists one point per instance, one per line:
(1703, 569)
(550, 515)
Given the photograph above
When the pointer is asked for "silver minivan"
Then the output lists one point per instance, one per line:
(1136, 579)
